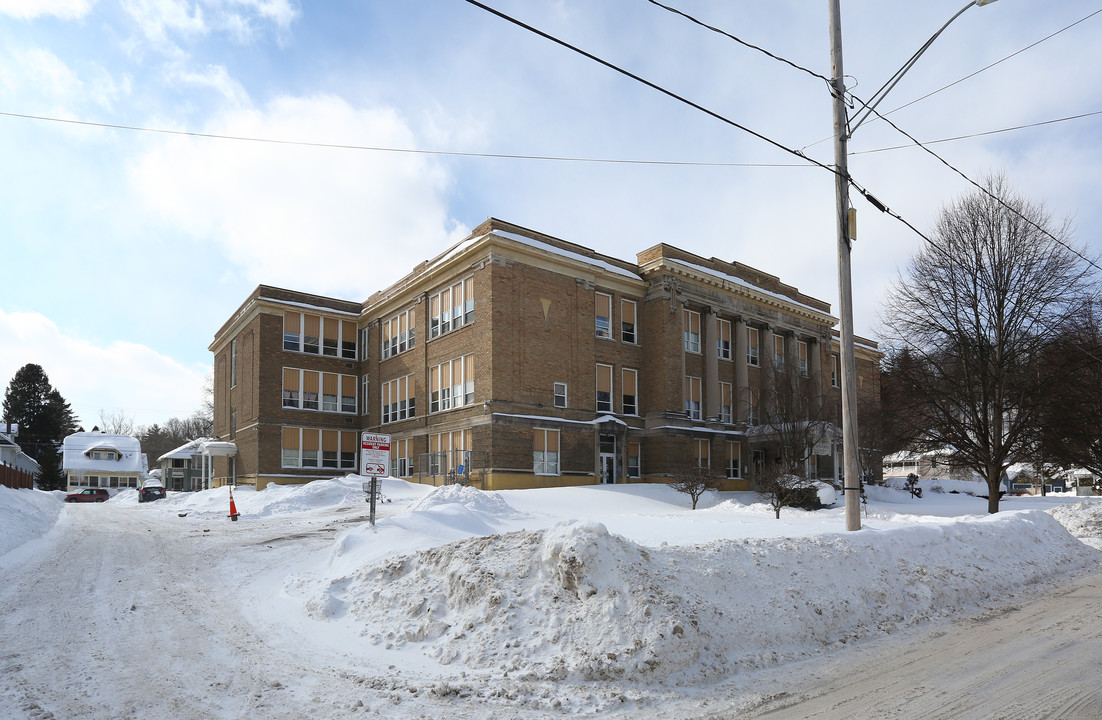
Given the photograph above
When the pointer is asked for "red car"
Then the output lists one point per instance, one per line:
(89, 495)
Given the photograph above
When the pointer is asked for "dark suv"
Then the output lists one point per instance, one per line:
(149, 493)
(89, 495)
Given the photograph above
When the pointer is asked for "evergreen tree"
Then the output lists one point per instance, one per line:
(44, 418)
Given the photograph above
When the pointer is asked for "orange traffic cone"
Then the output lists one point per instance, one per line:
(233, 508)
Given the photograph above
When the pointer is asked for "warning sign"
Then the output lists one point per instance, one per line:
(374, 454)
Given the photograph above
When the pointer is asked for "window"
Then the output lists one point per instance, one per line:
(292, 331)
(833, 370)
(311, 337)
(451, 384)
(401, 458)
(692, 397)
(604, 388)
(627, 322)
(348, 393)
(348, 340)
(330, 337)
(449, 450)
(310, 382)
(726, 407)
(545, 452)
(313, 390)
(629, 383)
(364, 353)
(734, 459)
(397, 399)
(602, 311)
(560, 395)
(752, 408)
(778, 352)
(802, 357)
(314, 448)
(291, 388)
(691, 322)
(703, 454)
(233, 362)
(751, 346)
(451, 308)
(634, 465)
(329, 392)
(365, 383)
(398, 334)
(330, 449)
(723, 339)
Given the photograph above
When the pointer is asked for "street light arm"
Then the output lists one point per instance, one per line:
(887, 87)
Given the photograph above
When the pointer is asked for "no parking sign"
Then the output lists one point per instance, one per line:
(374, 454)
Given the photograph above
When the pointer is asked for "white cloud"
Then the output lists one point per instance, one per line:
(28, 9)
(337, 221)
(120, 377)
(37, 73)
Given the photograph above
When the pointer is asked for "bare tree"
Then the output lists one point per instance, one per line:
(694, 482)
(781, 489)
(978, 309)
(116, 423)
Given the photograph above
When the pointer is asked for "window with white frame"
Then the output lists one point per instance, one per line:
(723, 339)
(560, 395)
(311, 334)
(628, 322)
(691, 325)
(604, 388)
(319, 335)
(602, 314)
(364, 346)
(629, 384)
(734, 459)
(703, 453)
(751, 346)
(692, 397)
(833, 370)
(449, 450)
(317, 448)
(314, 390)
(802, 357)
(545, 452)
(451, 308)
(399, 333)
(778, 351)
(401, 458)
(364, 395)
(397, 399)
(634, 460)
(451, 384)
(726, 405)
(233, 362)
(753, 410)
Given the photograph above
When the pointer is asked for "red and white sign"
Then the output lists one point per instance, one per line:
(374, 454)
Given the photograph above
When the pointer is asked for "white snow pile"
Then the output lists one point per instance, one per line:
(1083, 520)
(25, 515)
(575, 602)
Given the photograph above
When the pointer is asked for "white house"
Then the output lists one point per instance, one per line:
(10, 452)
(95, 459)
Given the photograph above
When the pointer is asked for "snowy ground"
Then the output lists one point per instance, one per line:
(603, 599)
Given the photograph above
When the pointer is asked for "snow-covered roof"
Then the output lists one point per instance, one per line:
(78, 452)
(215, 447)
(186, 451)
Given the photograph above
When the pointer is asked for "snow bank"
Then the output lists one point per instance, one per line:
(575, 602)
(26, 515)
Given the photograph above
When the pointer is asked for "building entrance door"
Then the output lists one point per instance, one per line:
(608, 459)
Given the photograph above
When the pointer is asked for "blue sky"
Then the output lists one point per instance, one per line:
(124, 251)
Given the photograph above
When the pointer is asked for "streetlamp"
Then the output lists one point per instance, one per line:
(846, 230)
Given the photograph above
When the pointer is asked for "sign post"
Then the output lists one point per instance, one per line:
(374, 461)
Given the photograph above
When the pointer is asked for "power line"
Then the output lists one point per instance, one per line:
(413, 151)
(981, 134)
(726, 34)
(648, 83)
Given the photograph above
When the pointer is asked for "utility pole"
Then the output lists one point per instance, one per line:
(852, 480)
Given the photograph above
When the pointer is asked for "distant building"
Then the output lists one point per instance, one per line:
(515, 359)
(96, 459)
(11, 454)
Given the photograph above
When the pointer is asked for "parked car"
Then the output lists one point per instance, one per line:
(89, 495)
(149, 493)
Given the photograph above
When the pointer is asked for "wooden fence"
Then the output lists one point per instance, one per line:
(13, 478)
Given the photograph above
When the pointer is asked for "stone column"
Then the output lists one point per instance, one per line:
(742, 377)
(711, 365)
